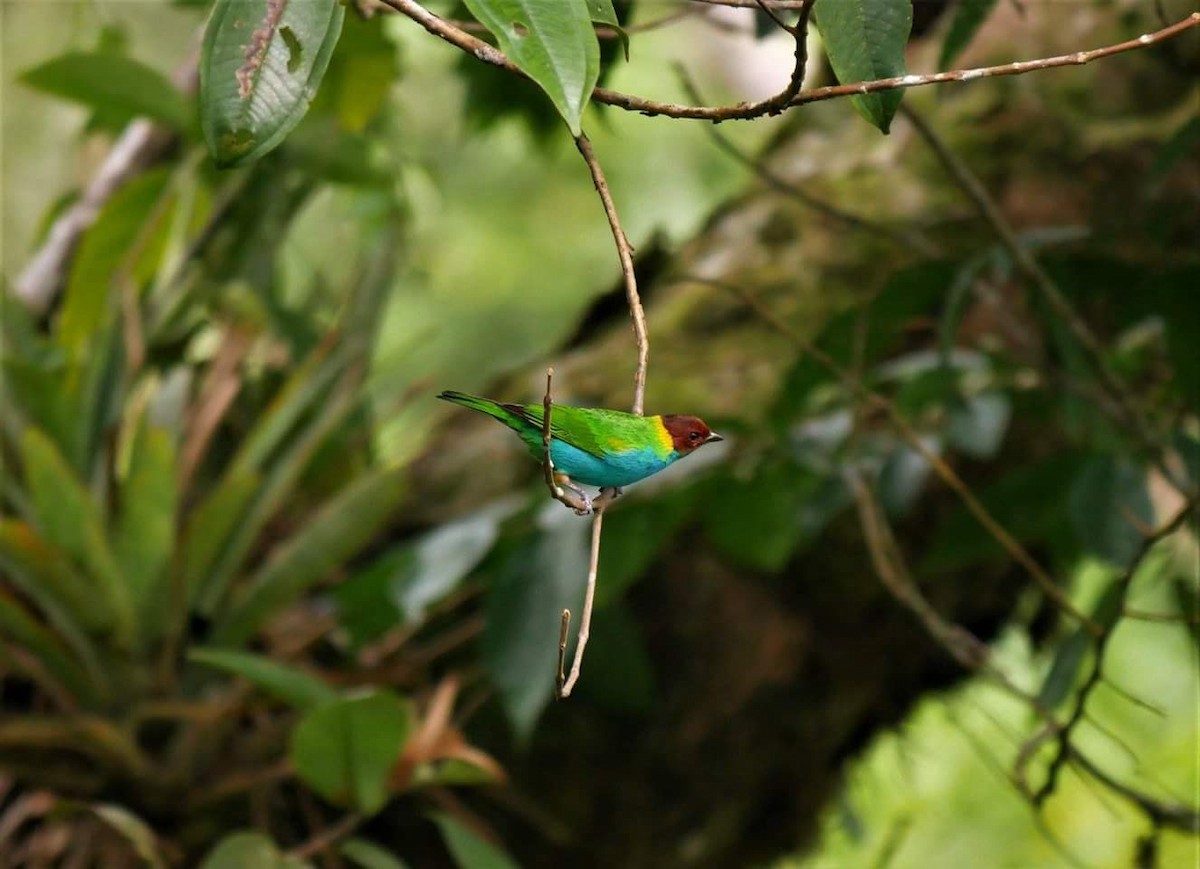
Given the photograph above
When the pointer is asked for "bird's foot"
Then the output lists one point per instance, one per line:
(585, 505)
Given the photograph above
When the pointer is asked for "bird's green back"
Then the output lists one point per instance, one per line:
(595, 430)
(598, 430)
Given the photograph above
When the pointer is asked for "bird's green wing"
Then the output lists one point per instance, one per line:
(594, 430)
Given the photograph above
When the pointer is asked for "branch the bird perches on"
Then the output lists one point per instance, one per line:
(582, 506)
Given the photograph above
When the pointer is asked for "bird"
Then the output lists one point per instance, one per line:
(597, 446)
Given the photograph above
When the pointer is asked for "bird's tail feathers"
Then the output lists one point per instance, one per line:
(483, 405)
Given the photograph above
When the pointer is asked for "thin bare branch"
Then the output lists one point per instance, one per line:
(625, 253)
(575, 499)
(442, 29)
(585, 621)
(902, 237)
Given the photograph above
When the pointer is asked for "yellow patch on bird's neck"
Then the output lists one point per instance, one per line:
(665, 441)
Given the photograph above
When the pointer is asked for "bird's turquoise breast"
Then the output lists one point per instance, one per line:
(616, 469)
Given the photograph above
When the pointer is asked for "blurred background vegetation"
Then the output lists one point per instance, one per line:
(265, 602)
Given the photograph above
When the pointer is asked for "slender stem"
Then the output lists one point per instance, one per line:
(625, 253)
(573, 500)
(748, 110)
(585, 622)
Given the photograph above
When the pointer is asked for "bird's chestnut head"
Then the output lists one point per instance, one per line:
(688, 432)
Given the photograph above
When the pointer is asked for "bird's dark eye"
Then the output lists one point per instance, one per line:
(694, 436)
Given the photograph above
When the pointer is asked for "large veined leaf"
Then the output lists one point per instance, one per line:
(259, 70)
(865, 40)
(553, 42)
(345, 749)
(116, 85)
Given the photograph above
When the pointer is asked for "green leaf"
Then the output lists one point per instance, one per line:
(105, 249)
(292, 686)
(360, 76)
(210, 526)
(345, 749)
(144, 531)
(260, 67)
(45, 574)
(19, 626)
(468, 850)
(903, 476)
(553, 42)
(969, 16)
(344, 525)
(135, 830)
(1065, 669)
(117, 86)
(977, 426)
(70, 519)
(368, 855)
(865, 41)
(247, 850)
(602, 12)
(1110, 506)
(1188, 448)
(540, 578)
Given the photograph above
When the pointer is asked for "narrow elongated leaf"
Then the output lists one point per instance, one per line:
(118, 86)
(553, 42)
(45, 573)
(865, 40)
(17, 625)
(138, 833)
(470, 851)
(1110, 508)
(144, 532)
(337, 532)
(69, 518)
(292, 686)
(260, 68)
(211, 525)
(345, 749)
(104, 250)
(1065, 669)
(368, 855)
(969, 16)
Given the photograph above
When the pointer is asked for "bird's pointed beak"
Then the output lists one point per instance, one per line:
(713, 437)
